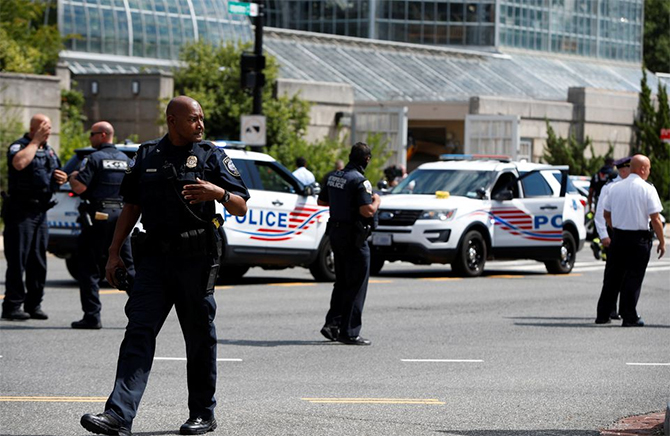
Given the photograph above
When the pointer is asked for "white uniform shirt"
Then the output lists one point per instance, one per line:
(630, 202)
(599, 218)
(304, 175)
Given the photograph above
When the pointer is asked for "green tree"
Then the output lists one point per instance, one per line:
(650, 120)
(72, 134)
(569, 151)
(656, 35)
(11, 129)
(27, 44)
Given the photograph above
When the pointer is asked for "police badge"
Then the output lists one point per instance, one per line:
(191, 161)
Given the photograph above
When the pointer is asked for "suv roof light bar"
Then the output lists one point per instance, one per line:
(498, 157)
(238, 145)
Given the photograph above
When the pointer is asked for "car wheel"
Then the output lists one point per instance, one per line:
(72, 264)
(323, 268)
(376, 264)
(231, 273)
(471, 255)
(568, 255)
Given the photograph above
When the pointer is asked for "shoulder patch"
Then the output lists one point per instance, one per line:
(83, 164)
(131, 164)
(230, 167)
(368, 186)
(15, 148)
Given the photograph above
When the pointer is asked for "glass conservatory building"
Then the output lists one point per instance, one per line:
(604, 29)
(143, 33)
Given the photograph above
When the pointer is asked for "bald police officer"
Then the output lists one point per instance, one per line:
(33, 176)
(352, 208)
(172, 183)
(98, 182)
(628, 209)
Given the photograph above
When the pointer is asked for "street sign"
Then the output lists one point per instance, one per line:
(665, 136)
(253, 130)
(240, 8)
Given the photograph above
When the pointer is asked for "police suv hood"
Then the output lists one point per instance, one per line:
(425, 202)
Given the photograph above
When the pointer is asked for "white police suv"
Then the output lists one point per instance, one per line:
(283, 227)
(467, 209)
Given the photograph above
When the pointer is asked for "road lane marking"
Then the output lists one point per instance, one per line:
(53, 399)
(505, 276)
(219, 288)
(444, 360)
(112, 291)
(647, 364)
(440, 279)
(373, 400)
(292, 284)
(380, 281)
(184, 359)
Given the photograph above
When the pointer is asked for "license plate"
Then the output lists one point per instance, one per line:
(382, 239)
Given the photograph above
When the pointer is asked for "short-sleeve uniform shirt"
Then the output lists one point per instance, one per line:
(630, 202)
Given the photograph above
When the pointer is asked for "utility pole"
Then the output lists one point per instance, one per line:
(258, 51)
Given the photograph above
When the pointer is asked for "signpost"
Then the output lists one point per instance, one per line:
(253, 130)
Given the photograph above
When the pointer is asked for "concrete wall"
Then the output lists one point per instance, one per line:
(24, 95)
(327, 100)
(130, 113)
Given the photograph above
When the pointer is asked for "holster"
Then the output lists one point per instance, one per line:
(361, 233)
(138, 245)
(84, 214)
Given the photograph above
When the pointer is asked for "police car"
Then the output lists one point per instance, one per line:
(467, 209)
(283, 227)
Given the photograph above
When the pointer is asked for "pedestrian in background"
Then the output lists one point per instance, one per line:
(628, 209)
(623, 167)
(33, 176)
(302, 173)
(599, 179)
(352, 207)
(98, 182)
(172, 184)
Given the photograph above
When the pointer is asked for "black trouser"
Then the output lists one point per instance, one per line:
(626, 265)
(352, 271)
(92, 250)
(26, 236)
(161, 282)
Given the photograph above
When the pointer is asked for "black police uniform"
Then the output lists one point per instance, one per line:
(26, 231)
(345, 191)
(102, 172)
(172, 267)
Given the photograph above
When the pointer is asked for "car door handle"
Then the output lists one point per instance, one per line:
(550, 207)
(278, 203)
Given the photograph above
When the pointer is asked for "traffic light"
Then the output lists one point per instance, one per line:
(251, 71)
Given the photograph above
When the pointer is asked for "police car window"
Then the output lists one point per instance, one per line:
(273, 179)
(571, 188)
(535, 185)
(247, 173)
(456, 182)
(506, 181)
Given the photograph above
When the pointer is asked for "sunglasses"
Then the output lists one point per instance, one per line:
(96, 133)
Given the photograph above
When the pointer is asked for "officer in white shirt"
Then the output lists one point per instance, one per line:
(302, 173)
(628, 209)
(623, 166)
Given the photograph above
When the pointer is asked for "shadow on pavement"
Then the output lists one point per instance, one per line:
(584, 322)
(447, 273)
(520, 432)
(32, 327)
(250, 343)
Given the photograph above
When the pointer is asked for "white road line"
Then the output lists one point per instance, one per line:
(647, 364)
(443, 360)
(184, 359)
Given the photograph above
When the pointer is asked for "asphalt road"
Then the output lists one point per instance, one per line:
(513, 353)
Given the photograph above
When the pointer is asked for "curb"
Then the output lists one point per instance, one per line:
(650, 424)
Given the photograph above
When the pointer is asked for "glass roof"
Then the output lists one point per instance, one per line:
(384, 71)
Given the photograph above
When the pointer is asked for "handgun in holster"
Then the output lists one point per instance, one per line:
(84, 215)
(361, 232)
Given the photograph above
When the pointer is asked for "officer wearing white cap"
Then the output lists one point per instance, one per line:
(628, 209)
(623, 167)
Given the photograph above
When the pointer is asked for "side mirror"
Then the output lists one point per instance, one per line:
(309, 190)
(316, 188)
(382, 185)
(481, 193)
(503, 195)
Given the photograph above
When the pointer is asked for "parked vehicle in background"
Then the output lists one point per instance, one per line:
(468, 209)
(284, 227)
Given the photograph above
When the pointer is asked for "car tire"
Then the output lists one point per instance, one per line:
(231, 273)
(376, 264)
(323, 268)
(565, 264)
(72, 264)
(471, 255)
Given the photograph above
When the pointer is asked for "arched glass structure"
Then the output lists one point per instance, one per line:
(153, 29)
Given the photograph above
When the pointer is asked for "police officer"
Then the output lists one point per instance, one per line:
(628, 209)
(33, 176)
(172, 183)
(352, 208)
(98, 182)
(623, 167)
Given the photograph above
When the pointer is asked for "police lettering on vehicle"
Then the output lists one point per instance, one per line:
(261, 218)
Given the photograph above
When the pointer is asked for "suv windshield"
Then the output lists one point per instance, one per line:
(456, 182)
